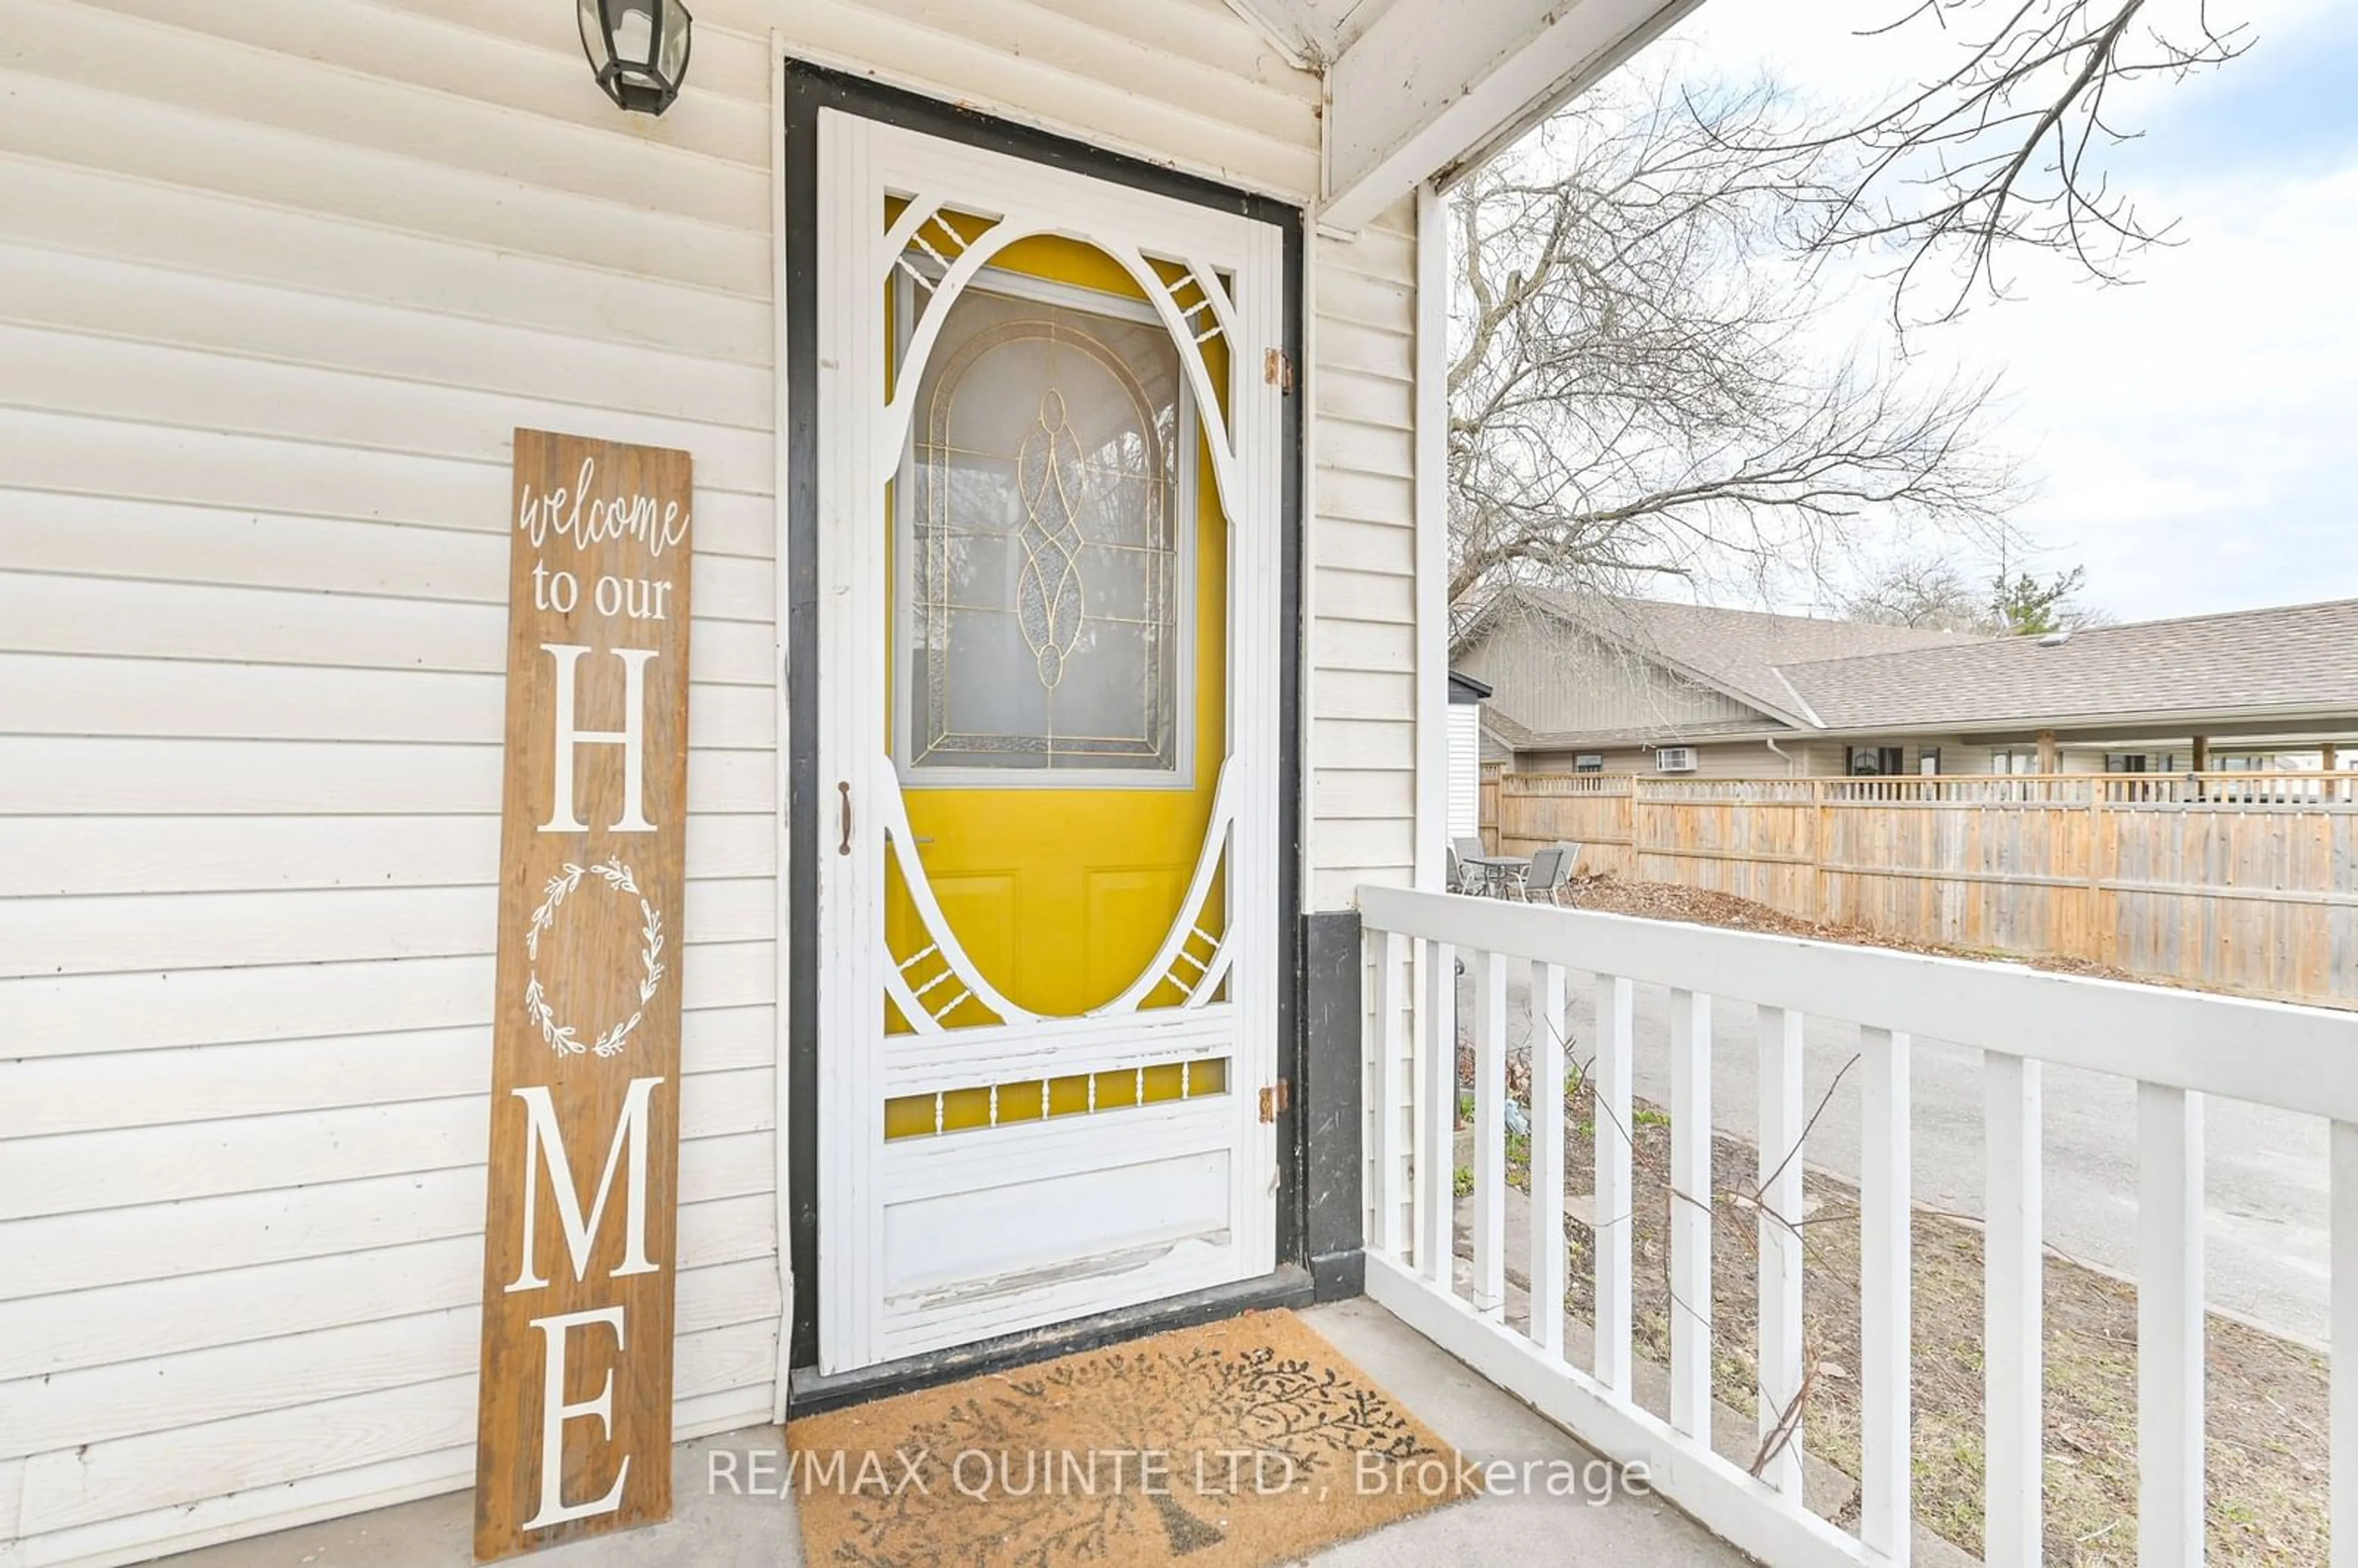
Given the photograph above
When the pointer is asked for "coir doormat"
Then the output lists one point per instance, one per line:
(1237, 1445)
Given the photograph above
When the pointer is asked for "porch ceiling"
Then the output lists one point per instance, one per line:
(1418, 88)
(1314, 31)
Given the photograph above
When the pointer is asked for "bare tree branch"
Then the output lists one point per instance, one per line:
(1644, 382)
(2006, 148)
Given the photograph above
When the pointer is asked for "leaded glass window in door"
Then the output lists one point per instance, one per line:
(1045, 567)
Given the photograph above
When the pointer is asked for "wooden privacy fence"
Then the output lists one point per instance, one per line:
(2241, 882)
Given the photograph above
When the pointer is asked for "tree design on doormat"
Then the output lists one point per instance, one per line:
(1190, 1406)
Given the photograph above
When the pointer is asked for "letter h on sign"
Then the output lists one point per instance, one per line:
(632, 737)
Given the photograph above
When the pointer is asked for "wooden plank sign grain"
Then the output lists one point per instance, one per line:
(574, 1419)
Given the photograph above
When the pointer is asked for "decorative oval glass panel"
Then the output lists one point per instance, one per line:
(1046, 565)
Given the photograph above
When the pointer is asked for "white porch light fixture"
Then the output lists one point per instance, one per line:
(639, 49)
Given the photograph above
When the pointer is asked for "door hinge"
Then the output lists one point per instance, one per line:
(1277, 370)
(1277, 1098)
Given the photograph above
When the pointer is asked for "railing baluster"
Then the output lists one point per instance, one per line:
(1547, 1158)
(2341, 1445)
(2013, 1438)
(1489, 1293)
(1780, 1247)
(1615, 1029)
(1391, 953)
(1690, 1215)
(1885, 1215)
(2169, 1327)
(1436, 1117)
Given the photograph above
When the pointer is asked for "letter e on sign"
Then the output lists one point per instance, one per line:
(573, 1426)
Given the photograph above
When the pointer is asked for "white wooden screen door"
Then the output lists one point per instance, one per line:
(1011, 601)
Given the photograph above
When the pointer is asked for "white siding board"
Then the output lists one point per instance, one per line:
(1369, 350)
(44, 857)
(267, 1508)
(1377, 792)
(40, 1177)
(1339, 644)
(1385, 249)
(82, 1251)
(62, 292)
(110, 536)
(726, 117)
(366, 113)
(1367, 497)
(1348, 594)
(1383, 451)
(145, 383)
(92, 1014)
(83, 1486)
(94, 212)
(153, 1318)
(90, 935)
(1368, 744)
(44, 1097)
(194, 700)
(12, 1500)
(154, 1394)
(1370, 842)
(84, 456)
(69, 124)
(1372, 300)
(104, 775)
(1364, 694)
(1371, 399)
(1354, 545)
(57, 614)
(738, 57)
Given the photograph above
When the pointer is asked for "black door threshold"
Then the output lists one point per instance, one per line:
(809, 1391)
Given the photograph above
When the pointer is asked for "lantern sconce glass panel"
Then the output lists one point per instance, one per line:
(639, 49)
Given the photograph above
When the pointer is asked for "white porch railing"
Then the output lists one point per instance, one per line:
(2179, 1046)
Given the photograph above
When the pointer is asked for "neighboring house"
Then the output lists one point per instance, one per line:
(1638, 685)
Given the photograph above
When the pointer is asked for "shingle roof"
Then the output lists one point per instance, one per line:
(2299, 658)
(1849, 676)
(1743, 650)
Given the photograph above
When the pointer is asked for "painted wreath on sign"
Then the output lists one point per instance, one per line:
(561, 1037)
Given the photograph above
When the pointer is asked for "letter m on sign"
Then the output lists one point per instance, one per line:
(544, 1146)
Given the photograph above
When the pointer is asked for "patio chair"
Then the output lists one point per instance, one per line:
(1546, 867)
(1548, 874)
(1464, 876)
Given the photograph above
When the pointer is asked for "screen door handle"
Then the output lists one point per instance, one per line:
(844, 785)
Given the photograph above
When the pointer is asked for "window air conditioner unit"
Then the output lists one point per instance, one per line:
(1675, 759)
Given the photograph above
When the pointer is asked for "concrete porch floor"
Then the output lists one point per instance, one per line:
(708, 1531)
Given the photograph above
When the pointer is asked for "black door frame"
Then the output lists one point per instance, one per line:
(810, 89)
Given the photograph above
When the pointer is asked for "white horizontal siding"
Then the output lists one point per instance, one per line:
(1362, 725)
(277, 283)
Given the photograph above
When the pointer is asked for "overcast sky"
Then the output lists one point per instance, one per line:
(2188, 434)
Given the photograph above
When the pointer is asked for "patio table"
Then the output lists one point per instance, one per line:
(1494, 868)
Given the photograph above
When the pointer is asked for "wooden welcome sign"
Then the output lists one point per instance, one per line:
(574, 1423)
